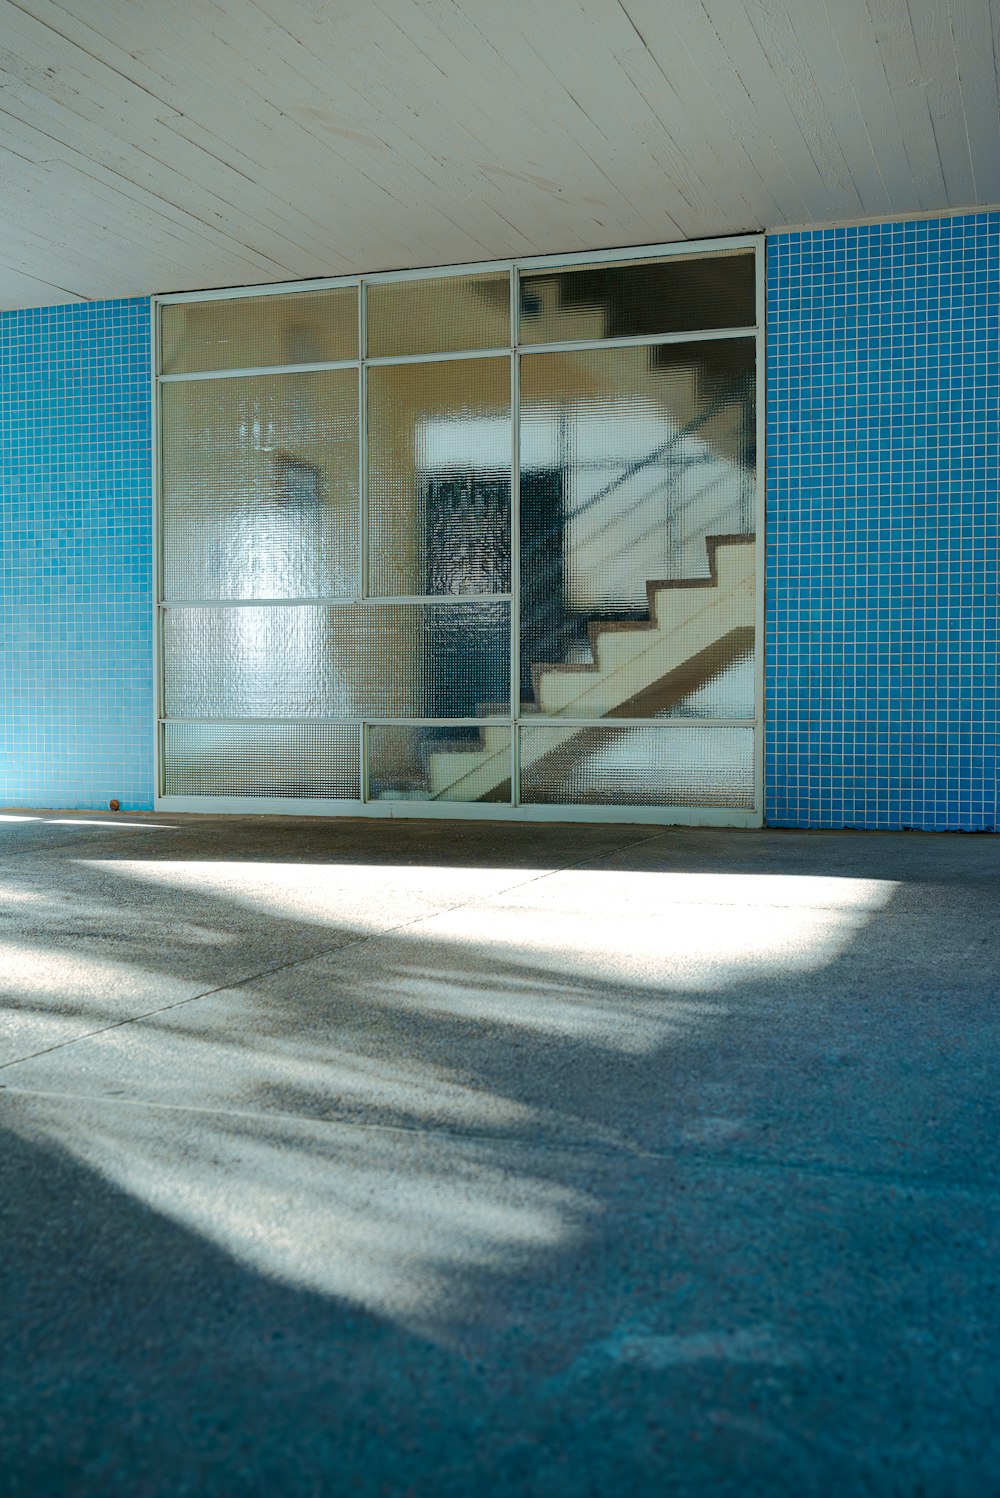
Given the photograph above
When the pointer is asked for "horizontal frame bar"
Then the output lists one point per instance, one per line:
(567, 346)
(650, 340)
(318, 367)
(500, 721)
(378, 361)
(467, 811)
(344, 600)
(480, 722)
(541, 721)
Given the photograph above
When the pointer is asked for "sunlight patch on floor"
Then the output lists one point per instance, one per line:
(391, 1221)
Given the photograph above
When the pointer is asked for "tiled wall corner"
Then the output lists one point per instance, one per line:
(76, 647)
(883, 464)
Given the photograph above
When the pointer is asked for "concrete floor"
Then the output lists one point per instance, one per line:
(451, 1159)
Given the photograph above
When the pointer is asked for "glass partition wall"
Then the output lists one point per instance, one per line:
(480, 541)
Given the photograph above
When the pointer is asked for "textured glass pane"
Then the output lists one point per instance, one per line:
(684, 294)
(439, 314)
(347, 661)
(723, 686)
(308, 327)
(262, 759)
(636, 523)
(439, 446)
(438, 764)
(260, 486)
(651, 766)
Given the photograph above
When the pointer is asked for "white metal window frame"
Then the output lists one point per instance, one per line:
(696, 816)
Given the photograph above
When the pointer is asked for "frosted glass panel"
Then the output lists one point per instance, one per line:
(651, 766)
(637, 515)
(439, 451)
(262, 759)
(308, 327)
(351, 660)
(260, 486)
(684, 294)
(438, 763)
(439, 315)
(721, 683)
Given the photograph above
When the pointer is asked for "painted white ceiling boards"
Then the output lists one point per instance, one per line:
(158, 145)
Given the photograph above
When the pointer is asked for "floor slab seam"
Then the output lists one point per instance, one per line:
(313, 957)
(685, 1154)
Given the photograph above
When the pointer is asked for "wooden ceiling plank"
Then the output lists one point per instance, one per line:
(144, 127)
(306, 96)
(853, 36)
(86, 164)
(83, 276)
(648, 163)
(897, 51)
(305, 80)
(716, 73)
(676, 53)
(622, 139)
(975, 65)
(80, 251)
(493, 127)
(161, 217)
(820, 84)
(547, 172)
(224, 142)
(282, 174)
(766, 80)
(666, 79)
(19, 290)
(931, 20)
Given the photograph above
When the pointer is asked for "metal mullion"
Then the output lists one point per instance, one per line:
(515, 538)
(363, 756)
(157, 579)
(760, 521)
(703, 335)
(317, 367)
(363, 442)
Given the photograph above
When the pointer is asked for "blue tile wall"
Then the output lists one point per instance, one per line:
(883, 672)
(76, 648)
(883, 657)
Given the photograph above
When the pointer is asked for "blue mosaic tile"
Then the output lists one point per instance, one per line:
(883, 465)
(76, 637)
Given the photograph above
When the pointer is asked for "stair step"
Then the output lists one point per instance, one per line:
(448, 768)
(685, 618)
(628, 660)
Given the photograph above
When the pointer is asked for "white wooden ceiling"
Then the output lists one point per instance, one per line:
(161, 145)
